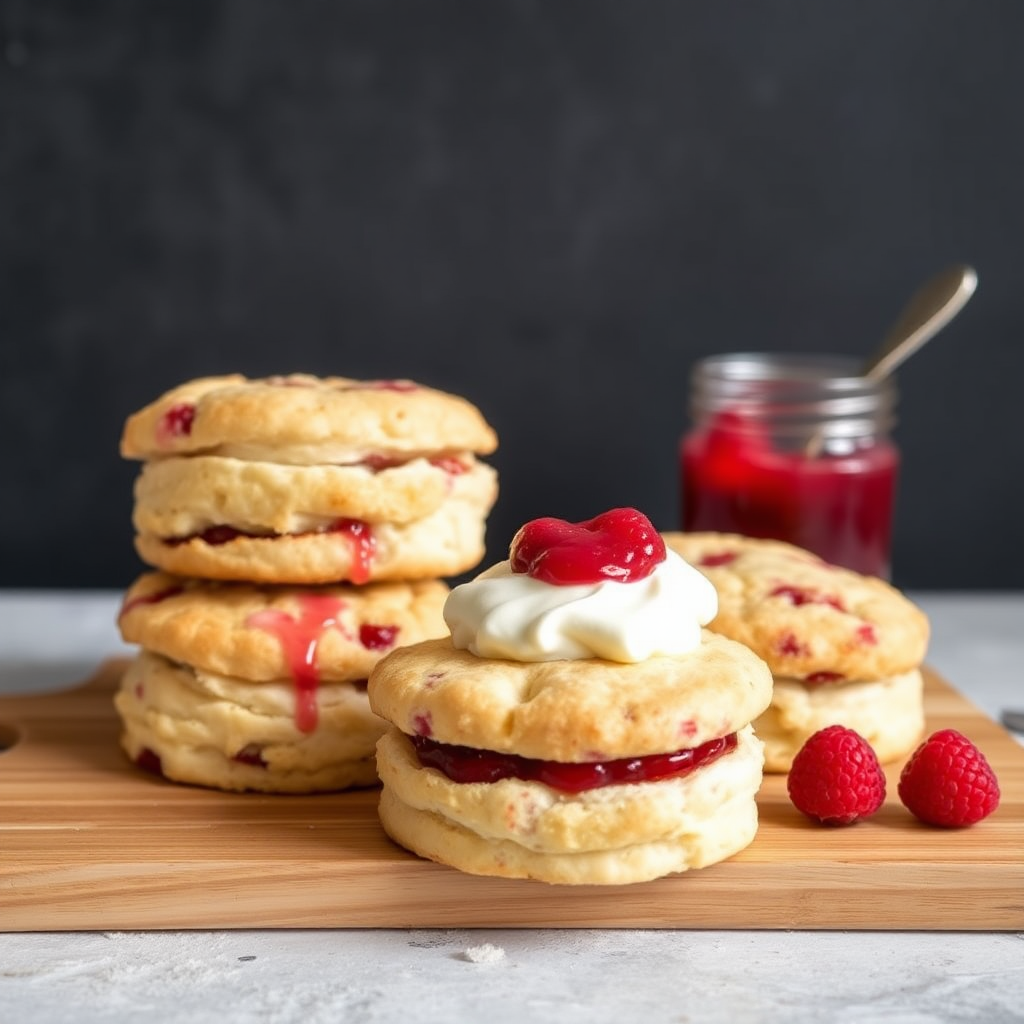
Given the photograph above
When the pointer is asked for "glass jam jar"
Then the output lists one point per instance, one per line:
(794, 448)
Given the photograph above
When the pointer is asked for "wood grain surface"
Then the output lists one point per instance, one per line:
(89, 842)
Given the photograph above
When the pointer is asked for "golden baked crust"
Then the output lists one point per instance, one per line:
(234, 734)
(445, 543)
(802, 615)
(609, 836)
(208, 625)
(590, 710)
(888, 713)
(314, 417)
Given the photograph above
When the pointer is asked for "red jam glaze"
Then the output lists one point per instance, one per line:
(155, 598)
(819, 678)
(468, 764)
(838, 506)
(620, 545)
(449, 463)
(300, 637)
(377, 638)
(251, 754)
(358, 534)
(149, 761)
(176, 422)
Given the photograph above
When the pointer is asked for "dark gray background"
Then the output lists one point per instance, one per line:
(552, 208)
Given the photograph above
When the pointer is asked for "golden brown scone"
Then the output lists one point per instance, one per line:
(306, 480)
(804, 616)
(576, 712)
(264, 688)
(844, 648)
(304, 420)
(591, 710)
(209, 730)
(216, 626)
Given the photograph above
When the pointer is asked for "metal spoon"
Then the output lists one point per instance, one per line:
(1013, 720)
(930, 309)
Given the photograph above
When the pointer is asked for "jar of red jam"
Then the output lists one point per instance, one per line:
(795, 448)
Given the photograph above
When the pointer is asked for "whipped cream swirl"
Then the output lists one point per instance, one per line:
(502, 614)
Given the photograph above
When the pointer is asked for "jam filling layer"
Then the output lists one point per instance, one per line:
(469, 764)
(358, 534)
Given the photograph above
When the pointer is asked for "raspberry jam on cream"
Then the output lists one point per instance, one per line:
(468, 765)
(631, 600)
(620, 544)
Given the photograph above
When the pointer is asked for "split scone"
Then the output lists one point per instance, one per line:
(302, 480)
(845, 649)
(239, 687)
(579, 726)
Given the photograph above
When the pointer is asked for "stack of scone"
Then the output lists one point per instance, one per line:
(300, 527)
(578, 726)
(844, 649)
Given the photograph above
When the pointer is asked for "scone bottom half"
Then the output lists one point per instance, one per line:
(610, 765)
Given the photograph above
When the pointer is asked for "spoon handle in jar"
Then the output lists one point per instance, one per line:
(927, 312)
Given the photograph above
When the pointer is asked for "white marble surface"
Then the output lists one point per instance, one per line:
(733, 977)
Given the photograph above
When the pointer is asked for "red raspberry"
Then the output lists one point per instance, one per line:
(836, 777)
(948, 782)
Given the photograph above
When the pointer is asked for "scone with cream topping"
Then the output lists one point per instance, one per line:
(240, 687)
(845, 649)
(579, 726)
(306, 480)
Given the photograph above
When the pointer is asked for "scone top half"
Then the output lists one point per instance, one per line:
(808, 619)
(305, 420)
(593, 669)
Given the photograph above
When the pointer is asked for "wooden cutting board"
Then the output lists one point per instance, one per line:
(89, 842)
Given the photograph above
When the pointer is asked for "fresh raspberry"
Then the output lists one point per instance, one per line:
(948, 782)
(836, 777)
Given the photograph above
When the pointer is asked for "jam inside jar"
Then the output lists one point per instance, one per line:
(793, 448)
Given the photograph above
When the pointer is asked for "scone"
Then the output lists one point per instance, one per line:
(578, 727)
(845, 649)
(239, 687)
(305, 480)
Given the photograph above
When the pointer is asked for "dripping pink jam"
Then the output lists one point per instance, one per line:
(300, 636)
(621, 545)
(468, 764)
(358, 534)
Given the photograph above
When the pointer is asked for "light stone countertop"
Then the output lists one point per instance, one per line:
(51, 639)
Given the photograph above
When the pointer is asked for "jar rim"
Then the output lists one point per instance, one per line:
(794, 389)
